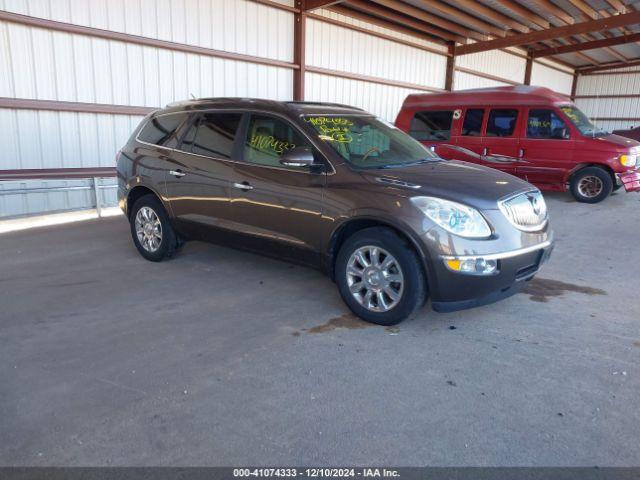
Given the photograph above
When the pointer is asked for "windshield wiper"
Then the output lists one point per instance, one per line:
(410, 164)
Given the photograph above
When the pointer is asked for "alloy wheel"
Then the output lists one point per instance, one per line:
(148, 229)
(590, 186)
(375, 278)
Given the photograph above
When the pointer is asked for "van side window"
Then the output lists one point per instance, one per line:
(159, 129)
(269, 138)
(212, 135)
(502, 122)
(545, 123)
(431, 125)
(472, 126)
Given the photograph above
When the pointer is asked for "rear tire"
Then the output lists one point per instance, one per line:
(152, 233)
(378, 261)
(591, 185)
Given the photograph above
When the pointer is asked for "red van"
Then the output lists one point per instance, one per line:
(531, 132)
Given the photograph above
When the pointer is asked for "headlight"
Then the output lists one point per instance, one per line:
(454, 217)
(628, 160)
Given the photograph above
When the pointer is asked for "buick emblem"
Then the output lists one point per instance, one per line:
(535, 204)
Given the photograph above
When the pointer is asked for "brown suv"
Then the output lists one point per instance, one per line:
(337, 188)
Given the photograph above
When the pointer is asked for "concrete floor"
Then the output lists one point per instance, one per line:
(225, 358)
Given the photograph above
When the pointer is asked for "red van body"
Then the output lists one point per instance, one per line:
(530, 132)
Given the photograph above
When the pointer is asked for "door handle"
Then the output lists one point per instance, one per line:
(243, 186)
(177, 173)
(485, 151)
(521, 153)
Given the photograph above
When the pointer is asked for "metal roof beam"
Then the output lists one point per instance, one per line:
(313, 4)
(578, 47)
(552, 33)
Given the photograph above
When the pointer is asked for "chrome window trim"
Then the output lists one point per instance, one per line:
(500, 256)
(536, 228)
(229, 160)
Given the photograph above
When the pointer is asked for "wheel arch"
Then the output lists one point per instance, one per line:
(582, 166)
(140, 191)
(356, 224)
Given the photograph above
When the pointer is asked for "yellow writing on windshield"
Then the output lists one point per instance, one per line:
(569, 112)
(333, 129)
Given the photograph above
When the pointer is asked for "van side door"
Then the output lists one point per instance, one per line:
(202, 167)
(271, 201)
(500, 144)
(469, 143)
(546, 148)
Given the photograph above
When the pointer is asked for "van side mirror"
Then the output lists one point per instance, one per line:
(297, 157)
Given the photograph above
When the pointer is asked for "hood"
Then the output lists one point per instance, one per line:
(468, 183)
(611, 141)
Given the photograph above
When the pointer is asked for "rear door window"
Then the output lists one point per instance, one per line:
(212, 135)
(161, 128)
(544, 123)
(502, 122)
(431, 125)
(472, 126)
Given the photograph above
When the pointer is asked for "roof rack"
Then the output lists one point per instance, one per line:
(298, 102)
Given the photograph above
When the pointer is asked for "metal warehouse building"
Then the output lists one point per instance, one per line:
(77, 76)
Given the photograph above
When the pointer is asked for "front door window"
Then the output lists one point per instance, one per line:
(268, 138)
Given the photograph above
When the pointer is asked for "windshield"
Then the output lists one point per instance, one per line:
(368, 142)
(581, 121)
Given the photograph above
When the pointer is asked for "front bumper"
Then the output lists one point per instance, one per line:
(630, 180)
(457, 291)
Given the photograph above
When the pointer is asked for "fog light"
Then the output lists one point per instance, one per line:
(472, 266)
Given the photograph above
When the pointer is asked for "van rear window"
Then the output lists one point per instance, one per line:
(502, 123)
(472, 126)
(431, 125)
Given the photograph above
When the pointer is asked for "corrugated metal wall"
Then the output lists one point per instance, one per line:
(38, 63)
(43, 64)
(344, 50)
(545, 76)
(495, 63)
(609, 86)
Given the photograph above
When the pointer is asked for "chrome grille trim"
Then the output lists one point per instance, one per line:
(520, 210)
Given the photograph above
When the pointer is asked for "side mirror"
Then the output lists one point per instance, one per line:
(297, 157)
(561, 134)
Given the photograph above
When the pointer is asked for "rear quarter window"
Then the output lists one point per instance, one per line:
(159, 129)
(431, 125)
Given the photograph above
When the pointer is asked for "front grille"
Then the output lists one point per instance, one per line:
(526, 211)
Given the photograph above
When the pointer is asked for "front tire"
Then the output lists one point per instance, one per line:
(380, 276)
(591, 185)
(151, 229)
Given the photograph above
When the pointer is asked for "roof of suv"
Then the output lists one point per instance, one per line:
(295, 108)
(522, 94)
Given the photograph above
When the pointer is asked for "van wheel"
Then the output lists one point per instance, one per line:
(380, 277)
(591, 185)
(151, 229)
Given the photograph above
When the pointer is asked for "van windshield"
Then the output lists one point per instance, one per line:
(369, 142)
(581, 121)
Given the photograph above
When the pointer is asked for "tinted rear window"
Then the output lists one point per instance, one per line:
(213, 135)
(158, 130)
(472, 126)
(502, 123)
(431, 125)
